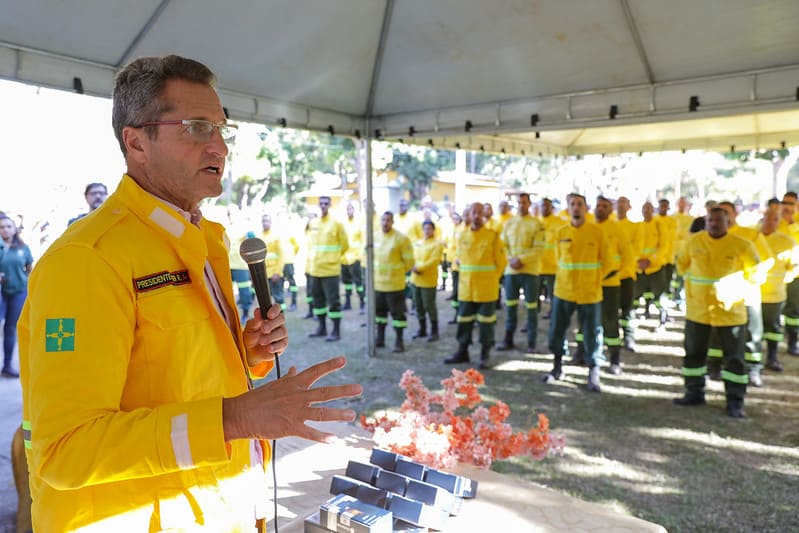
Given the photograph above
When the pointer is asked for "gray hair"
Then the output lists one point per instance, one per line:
(139, 85)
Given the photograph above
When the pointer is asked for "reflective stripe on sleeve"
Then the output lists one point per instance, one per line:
(180, 441)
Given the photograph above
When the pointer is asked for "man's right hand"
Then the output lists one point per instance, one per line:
(281, 407)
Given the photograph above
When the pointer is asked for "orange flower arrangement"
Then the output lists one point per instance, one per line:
(442, 429)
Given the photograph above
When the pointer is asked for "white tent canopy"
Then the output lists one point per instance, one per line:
(534, 76)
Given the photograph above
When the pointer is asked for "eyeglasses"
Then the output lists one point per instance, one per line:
(201, 130)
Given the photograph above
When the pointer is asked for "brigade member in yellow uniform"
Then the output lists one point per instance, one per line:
(240, 274)
(620, 254)
(632, 234)
(519, 236)
(582, 264)
(446, 227)
(427, 255)
(462, 223)
(274, 260)
(309, 224)
(407, 222)
(505, 214)
(138, 407)
(290, 249)
(481, 260)
(328, 244)
(351, 270)
(682, 221)
(716, 265)
(668, 236)
(753, 354)
(546, 242)
(773, 292)
(790, 310)
(393, 257)
(651, 277)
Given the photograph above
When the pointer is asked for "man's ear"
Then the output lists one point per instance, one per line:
(134, 140)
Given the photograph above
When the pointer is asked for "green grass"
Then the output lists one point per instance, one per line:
(687, 469)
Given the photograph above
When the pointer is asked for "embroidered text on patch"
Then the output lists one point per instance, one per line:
(59, 335)
(161, 279)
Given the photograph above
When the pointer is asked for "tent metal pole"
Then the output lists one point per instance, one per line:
(369, 266)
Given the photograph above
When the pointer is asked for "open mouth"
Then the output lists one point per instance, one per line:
(213, 169)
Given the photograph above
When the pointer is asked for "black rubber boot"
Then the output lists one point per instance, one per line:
(615, 360)
(793, 342)
(485, 358)
(556, 372)
(694, 392)
(772, 362)
(579, 353)
(507, 342)
(321, 329)
(422, 332)
(461, 356)
(335, 335)
(399, 345)
(347, 302)
(309, 314)
(433, 331)
(380, 341)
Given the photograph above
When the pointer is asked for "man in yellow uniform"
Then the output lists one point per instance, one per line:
(620, 255)
(427, 254)
(138, 407)
(773, 292)
(463, 221)
(627, 273)
(753, 354)
(546, 243)
(519, 236)
(351, 271)
(790, 310)
(582, 264)
(328, 243)
(682, 221)
(274, 260)
(650, 281)
(290, 249)
(446, 226)
(240, 274)
(392, 258)
(716, 265)
(408, 222)
(668, 237)
(481, 260)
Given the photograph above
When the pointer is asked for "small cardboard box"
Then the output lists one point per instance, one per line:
(463, 487)
(410, 469)
(391, 482)
(432, 495)
(362, 472)
(314, 525)
(346, 485)
(345, 514)
(384, 459)
(417, 513)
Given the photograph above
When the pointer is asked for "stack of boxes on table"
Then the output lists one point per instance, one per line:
(391, 494)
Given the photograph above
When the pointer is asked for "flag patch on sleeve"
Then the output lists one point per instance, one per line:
(59, 335)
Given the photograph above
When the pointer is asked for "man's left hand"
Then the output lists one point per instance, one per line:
(268, 338)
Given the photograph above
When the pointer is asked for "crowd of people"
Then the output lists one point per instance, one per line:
(736, 284)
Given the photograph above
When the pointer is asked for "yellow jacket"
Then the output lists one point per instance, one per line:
(393, 257)
(715, 272)
(791, 230)
(409, 224)
(752, 297)
(546, 241)
(652, 245)
(453, 248)
(682, 222)
(290, 248)
(620, 252)
(355, 229)
(784, 269)
(519, 236)
(583, 261)
(482, 260)
(631, 232)
(328, 242)
(668, 237)
(427, 254)
(274, 253)
(124, 362)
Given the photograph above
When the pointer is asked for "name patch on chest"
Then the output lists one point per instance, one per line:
(161, 279)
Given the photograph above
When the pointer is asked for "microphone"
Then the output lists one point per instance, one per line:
(253, 251)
